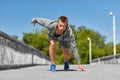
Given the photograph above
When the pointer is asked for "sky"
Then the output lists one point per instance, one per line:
(16, 15)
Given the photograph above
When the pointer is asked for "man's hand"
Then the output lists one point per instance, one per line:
(33, 21)
(80, 67)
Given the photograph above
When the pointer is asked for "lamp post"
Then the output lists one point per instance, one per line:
(114, 38)
(90, 50)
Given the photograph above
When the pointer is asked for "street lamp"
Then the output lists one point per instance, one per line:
(114, 38)
(90, 51)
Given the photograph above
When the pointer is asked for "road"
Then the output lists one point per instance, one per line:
(41, 72)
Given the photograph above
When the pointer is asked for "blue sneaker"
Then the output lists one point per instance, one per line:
(52, 67)
(66, 65)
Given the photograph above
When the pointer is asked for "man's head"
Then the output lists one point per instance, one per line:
(62, 23)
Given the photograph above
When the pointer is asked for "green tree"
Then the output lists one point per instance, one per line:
(39, 39)
(98, 42)
(108, 49)
(118, 48)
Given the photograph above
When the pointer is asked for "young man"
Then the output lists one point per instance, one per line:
(60, 31)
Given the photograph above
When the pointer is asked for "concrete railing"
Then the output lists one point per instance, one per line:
(112, 59)
(14, 52)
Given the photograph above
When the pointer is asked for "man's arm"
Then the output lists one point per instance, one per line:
(75, 52)
(76, 56)
(42, 21)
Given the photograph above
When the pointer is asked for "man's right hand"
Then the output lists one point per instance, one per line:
(33, 21)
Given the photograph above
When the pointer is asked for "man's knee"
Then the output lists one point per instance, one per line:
(52, 43)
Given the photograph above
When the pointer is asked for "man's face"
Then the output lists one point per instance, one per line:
(62, 26)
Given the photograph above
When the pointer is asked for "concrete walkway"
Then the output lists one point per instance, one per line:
(94, 72)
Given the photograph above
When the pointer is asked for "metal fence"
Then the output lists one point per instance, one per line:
(14, 52)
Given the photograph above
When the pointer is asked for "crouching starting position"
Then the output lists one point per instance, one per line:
(60, 31)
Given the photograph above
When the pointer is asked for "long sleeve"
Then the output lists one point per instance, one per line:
(75, 52)
(45, 22)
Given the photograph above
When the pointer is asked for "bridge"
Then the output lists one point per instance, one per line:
(15, 57)
(16, 53)
(41, 72)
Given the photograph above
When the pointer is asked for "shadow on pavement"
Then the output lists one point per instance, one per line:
(60, 70)
(66, 70)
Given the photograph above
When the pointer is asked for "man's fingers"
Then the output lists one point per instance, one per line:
(80, 67)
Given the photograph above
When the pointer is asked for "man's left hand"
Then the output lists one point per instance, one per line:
(81, 67)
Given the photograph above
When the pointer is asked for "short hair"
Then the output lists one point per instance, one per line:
(63, 19)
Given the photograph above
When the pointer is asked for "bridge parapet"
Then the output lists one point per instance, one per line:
(112, 59)
(14, 52)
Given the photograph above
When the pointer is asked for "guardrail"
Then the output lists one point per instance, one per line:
(14, 52)
(112, 59)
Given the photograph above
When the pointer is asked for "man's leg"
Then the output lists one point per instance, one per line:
(66, 52)
(52, 50)
(66, 58)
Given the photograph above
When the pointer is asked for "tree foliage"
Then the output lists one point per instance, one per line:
(39, 40)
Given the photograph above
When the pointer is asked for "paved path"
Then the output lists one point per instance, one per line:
(94, 72)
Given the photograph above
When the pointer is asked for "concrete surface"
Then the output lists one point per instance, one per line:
(94, 72)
